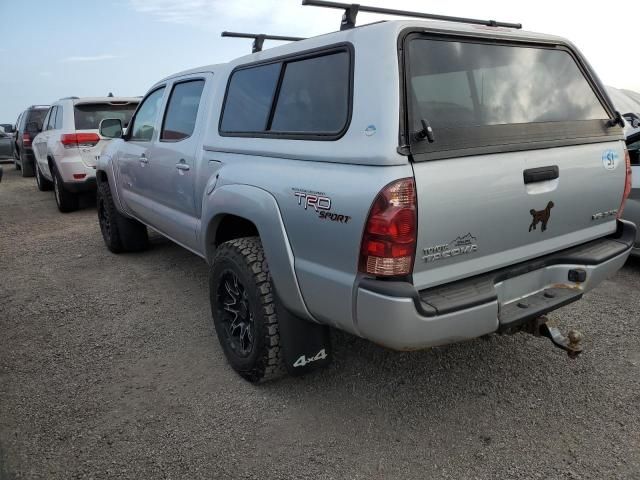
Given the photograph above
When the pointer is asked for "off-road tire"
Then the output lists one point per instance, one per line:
(120, 233)
(42, 183)
(245, 258)
(66, 200)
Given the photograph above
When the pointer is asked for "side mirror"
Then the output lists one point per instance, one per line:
(32, 127)
(111, 128)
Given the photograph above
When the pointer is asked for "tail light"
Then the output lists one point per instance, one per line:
(389, 239)
(26, 139)
(70, 140)
(627, 182)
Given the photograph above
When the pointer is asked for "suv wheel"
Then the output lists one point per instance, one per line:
(120, 234)
(244, 312)
(43, 183)
(66, 201)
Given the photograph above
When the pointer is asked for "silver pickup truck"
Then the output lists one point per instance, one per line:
(411, 182)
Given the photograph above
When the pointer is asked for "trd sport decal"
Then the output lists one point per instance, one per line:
(319, 203)
(540, 216)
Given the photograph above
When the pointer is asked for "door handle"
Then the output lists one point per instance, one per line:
(541, 174)
(144, 159)
(182, 165)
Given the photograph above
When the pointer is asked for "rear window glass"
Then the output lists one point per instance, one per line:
(306, 96)
(89, 115)
(36, 116)
(459, 84)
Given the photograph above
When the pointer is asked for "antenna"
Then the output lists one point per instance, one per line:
(351, 11)
(259, 38)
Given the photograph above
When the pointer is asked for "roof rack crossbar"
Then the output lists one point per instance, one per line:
(351, 11)
(259, 38)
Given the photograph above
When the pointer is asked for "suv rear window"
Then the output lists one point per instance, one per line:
(89, 115)
(36, 115)
(292, 98)
(482, 94)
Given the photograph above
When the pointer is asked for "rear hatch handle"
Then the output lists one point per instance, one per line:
(541, 174)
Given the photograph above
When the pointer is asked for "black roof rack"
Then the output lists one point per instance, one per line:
(69, 98)
(259, 38)
(351, 11)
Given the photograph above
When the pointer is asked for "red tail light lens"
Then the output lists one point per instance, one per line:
(26, 139)
(389, 239)
(70, 140)
(627, 182)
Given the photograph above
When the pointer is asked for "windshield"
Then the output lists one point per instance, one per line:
(89, 115)
(460, 84)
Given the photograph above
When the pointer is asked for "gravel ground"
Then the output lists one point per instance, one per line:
(110, 368)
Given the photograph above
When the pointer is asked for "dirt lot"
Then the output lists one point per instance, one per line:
(110, 368)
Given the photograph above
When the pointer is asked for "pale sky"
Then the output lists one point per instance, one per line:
(52, 49)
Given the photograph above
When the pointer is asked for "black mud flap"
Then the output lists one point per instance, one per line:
(306, 346)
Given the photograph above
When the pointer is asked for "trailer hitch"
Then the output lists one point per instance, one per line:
(572, 343)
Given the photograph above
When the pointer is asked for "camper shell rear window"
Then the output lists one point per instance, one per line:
(488, 96)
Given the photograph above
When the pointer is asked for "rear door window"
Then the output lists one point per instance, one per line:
(58, 122)
(294, 98)
(89, 115)
(52, 118)
(45, 122)
(182, 110)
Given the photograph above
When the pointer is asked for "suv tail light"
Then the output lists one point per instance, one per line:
(70, 140)
(26, 139)
(627, 182)
(389, 239)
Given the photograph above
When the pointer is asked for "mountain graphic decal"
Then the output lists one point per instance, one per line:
(467, 239)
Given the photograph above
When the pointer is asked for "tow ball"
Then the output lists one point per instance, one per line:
(572, 343)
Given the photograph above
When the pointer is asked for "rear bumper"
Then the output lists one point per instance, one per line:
(76, 175)
(398, 316)
(86, 185)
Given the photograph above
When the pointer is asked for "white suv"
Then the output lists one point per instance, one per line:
(67, 149)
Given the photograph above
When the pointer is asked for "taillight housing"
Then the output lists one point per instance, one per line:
(627, 182)
(389, 240)
(26, 139)
(70, 140)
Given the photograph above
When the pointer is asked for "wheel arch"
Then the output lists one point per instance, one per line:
(233, 211)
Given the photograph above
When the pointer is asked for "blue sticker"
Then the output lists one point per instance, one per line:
(610, 159)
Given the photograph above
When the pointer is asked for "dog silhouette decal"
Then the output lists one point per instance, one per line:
(541, 216)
